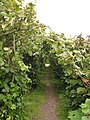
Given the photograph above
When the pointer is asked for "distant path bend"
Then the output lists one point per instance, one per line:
(49, 108)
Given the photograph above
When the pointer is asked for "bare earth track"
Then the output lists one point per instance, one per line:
(49, 108)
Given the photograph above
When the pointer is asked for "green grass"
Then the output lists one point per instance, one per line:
(62, 109)
(33, 103)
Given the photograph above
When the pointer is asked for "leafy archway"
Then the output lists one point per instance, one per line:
(25, 47)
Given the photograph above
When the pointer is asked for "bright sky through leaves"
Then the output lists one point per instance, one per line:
(68, 16)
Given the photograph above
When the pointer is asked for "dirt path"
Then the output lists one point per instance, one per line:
(49, 107)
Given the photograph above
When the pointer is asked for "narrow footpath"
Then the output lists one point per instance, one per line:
(49, 108)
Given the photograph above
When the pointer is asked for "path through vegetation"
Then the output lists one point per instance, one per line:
(45, 103)
(49, 108)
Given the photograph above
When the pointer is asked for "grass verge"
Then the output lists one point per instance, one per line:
(62, 109)
(33, 102)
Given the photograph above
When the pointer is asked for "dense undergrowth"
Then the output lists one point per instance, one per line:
(20, 53)
(74, 95)
(24, 49)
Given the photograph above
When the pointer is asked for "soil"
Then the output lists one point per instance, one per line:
(49, 108)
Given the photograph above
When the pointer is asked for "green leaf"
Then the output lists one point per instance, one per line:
(15, 95)
(79, 59)
(9, 118)
(88, 102)
(81, 90)
(54, 46)
(75, 115)
(12, 84)
(1, 96)
(69, 71)
(85, 110)
(86, 107)
(6, 87)
(23, 66)
(1, 62)
(13, 107)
